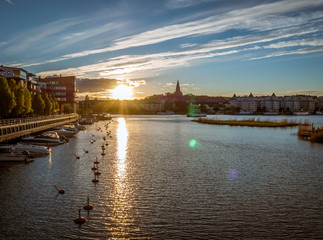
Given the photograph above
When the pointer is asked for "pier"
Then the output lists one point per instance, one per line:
(15, 128)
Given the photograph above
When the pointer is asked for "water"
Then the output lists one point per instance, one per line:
(165, 177)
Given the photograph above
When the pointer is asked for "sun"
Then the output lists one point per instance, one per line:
(122, 92)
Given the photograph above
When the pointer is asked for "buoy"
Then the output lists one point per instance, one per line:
(77, 157)
(88, 206)
(94, 168)
(97, 173)
(103, 153)
(60, 191)
(86, 151)
(80, 220)
(95, 180)
(96, 162)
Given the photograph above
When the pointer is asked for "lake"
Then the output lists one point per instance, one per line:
(166, 177)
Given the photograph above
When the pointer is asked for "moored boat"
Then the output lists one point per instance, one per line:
(49, 138)
(32, 150)
(9, 155)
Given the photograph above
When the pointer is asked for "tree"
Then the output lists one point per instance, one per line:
(48, 104)
(38, 104)
(86, 104)
(20, 100)
(27, 97)
(67, 108)
(7, 102)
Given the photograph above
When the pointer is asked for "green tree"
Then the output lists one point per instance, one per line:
(38, 104)
(20, 100)
(27, 97)
(67, 108)
(86, 104)
(48, 104)
(7, 102)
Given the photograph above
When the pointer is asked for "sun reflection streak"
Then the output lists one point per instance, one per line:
(122, 138)
(121, 198)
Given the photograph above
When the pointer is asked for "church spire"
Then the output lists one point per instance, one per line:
(178, 90)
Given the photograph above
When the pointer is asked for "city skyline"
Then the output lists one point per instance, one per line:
(215, 48)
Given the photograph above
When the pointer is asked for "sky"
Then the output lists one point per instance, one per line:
(213, 47)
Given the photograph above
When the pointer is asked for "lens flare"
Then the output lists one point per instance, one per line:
(192, 143)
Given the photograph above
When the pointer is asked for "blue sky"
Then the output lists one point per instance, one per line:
(213, 47)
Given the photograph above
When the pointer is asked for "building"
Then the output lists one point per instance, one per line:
(62, 88)
(19, 74)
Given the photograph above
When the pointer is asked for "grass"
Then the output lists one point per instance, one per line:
(311, 133)
(250, 122)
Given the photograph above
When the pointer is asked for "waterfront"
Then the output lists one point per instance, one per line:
(165, 177)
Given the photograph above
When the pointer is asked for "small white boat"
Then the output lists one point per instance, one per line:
(12, 156)
(301, 113)
(319, 113)
(49, 138)
(70, 127)
(65, 133)
(32, 150)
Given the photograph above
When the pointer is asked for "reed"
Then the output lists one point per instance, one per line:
(311, 133)
(250, 122)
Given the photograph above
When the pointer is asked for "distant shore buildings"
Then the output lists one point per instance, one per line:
(63, 89)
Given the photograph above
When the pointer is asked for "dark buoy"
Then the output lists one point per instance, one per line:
(95, 180)
(60, 191)
(88, 206)
(97, 172)
(86, 151)
(103, 153)
(96, 161)
(77, 157)
(80, 220)
(94, 168)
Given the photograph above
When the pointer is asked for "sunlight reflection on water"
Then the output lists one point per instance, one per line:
(122, 196)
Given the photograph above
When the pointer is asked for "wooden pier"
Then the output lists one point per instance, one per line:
(15, 128)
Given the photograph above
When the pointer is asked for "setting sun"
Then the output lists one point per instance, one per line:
(122, 92)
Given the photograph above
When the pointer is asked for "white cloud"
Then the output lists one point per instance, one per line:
(9, 1)
(292, 52)
(174, 4)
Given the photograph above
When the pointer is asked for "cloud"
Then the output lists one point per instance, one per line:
(265, 18)
(174, 4)
(292, 52)
(95, 85)
(33, 37)
(299, 42)
(9, 1)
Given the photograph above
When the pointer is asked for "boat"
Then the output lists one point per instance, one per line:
(49, 138)
(244, 113)
(32, 150)
(166, 113)
(301, 113)
(196, 115)
(271, 113)
(87, 121)
(66, 133)
(9, 155)
(319, 113)
(79, 127)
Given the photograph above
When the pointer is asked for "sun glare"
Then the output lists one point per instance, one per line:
(122, 92)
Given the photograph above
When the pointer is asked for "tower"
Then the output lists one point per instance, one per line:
(178, 90)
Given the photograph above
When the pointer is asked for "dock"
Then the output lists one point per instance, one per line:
(15, 128)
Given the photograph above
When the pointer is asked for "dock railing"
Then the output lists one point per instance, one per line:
(14, 128)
